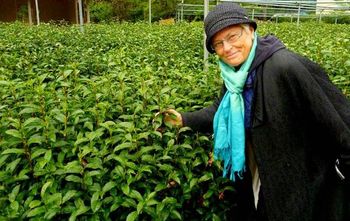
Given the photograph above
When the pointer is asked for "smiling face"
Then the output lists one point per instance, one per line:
(233, 44)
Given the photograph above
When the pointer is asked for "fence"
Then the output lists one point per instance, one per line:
(275, 10)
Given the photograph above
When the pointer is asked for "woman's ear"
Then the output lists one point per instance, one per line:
(251, 30)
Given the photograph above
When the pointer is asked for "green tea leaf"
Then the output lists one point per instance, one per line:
(143, 135)
(54, 199)
(44, 187)
(216, 217)
(73, 167)
(175, 214)
(193, 182)
(34, 203)
(95, 163)
(38, 152)
(48, 155)
(108, 186)
(152, 202)
(160, 207)
(14, 193)
(36, 211)
(184, 129)
(122, 146)
(169, 200)
(5, 83)
(13, 151)
(36, 139)
(165, 90)
(4, 176)
(186, 146)
(80, 141)
(132, 216)
(136, 195)
(29, 110)
(95, 134)
(14, 133)
(95, 202)
(125, 188)
(117, 203)
(70, 194)
(208, 194)
(33, 121)
(60, 117)
(3, 160)
(160, 186)
(81, 210)
(73, 178)
(139, 207)
(51, 213)
(22, 175)
(119, 170)
(14, 206)
(127, 125)
(89, 125)
(205, 177)
(12, 166)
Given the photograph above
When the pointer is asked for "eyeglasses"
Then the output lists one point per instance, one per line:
(231, 39)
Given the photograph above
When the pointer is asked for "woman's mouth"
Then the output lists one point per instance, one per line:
(232, 55)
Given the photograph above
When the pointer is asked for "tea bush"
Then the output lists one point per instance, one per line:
(79, 134)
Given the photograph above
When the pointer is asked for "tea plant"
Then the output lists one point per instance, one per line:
(79, 134)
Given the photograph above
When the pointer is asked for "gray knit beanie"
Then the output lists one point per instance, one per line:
(222, 16)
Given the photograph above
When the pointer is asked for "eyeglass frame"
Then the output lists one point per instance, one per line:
(228, 39)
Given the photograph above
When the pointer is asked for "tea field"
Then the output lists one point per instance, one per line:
(79, 139)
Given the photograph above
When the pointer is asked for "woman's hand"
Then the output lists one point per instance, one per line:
(172, 117)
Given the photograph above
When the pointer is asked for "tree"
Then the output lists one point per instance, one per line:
(137, 10)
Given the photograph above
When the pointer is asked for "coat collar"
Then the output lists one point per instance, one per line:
(266, 47)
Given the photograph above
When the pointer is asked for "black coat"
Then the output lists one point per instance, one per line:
(300, 126)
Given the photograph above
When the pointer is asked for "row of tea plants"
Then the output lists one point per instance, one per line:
(79, 134)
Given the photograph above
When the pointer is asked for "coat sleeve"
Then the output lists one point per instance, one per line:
(327, 105)
(202, 120)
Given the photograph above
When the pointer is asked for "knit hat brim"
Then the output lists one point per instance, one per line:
(223, 16)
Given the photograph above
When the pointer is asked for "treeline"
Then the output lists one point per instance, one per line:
(132, 10)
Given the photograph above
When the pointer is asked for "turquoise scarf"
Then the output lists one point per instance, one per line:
(229, 131)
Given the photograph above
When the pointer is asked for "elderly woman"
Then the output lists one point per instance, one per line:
(281, 128)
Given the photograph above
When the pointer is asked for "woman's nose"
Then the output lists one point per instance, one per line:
(227, 46)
